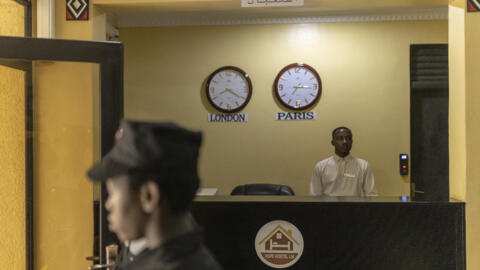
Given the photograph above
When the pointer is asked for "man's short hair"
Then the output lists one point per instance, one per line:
(162, 152)
(338, 129)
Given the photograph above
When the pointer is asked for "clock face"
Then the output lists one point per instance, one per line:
(298, 86)
(229, 89)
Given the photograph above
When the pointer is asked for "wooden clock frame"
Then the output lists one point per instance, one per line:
(244, 74)
(279, 75)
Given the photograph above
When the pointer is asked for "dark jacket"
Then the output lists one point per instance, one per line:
(185, 252)
(125, 256)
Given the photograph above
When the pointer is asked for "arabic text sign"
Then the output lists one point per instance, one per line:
(271, 3)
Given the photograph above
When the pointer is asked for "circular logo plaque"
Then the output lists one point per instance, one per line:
(279, 244)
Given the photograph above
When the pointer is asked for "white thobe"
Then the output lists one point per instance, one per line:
(349, 176)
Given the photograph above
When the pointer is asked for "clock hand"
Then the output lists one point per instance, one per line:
(296, 88)
(223, 91)
(306, 86)
(230, 90)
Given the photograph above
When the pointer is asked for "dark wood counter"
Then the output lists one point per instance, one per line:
(390, 233)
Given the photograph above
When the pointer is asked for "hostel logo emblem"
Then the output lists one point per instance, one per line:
(279, 244)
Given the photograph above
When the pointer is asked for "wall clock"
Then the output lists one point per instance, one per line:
(229, 89)
(297, 86)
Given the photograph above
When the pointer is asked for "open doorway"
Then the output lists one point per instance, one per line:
(429, 122)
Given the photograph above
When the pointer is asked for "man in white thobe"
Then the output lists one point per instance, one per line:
(342, 174)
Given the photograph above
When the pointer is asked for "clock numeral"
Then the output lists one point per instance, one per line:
(215, 98)
(289, 73)
(229, 107)
(237, 103)
(297, 70)
(289, 101)
(280, 87)
(312, 78)
(242, 97)
(214, 81)
(212, 89)
(306, 101)
(283, 78)
(283, 95)
(228, 73)
(220, 104)
(315, 86)
(306, 71)
(312, 95)
(298, 103)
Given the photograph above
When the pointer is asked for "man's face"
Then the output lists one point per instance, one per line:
(125, 215)
(342, 141)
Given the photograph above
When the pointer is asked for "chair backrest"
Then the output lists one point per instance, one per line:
(262, 189)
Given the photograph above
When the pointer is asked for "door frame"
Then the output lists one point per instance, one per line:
(19, 52)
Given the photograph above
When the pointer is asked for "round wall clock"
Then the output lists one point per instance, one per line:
(298, 86)
(229, 89)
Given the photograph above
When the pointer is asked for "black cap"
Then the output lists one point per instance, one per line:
(150, 149)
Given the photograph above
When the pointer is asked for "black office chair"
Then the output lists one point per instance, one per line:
(262, 189)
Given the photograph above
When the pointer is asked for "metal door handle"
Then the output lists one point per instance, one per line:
(415, 190)
(92, 258)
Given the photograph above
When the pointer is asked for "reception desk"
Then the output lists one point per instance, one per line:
(390, 233)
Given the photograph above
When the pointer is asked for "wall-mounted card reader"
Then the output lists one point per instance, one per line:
(403, 164)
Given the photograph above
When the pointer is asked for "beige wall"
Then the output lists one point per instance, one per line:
(12, 147)
(12, 168)
(464, 60)
(457, 124)
(472, 84)
(365, 74)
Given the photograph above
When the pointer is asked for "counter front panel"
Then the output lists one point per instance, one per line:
(383, 233)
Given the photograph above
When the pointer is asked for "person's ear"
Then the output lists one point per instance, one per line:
(149, 196)
(333, 143)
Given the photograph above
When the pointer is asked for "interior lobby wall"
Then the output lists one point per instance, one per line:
(364, 69)
(12, 168)
(472, 84)
(12, 145)
(457, 123)
(464, 58)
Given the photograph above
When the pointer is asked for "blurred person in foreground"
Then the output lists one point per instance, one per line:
(151, 179)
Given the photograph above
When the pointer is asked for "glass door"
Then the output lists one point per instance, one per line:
(55, 126)
(64, 135)
(12, 168)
